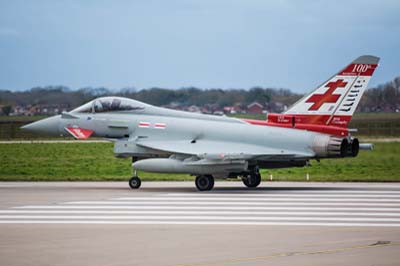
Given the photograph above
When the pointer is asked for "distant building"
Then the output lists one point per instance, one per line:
(229, 110)
(39, 109)
(194, 109)
(218, 112)
(204, 110)
(275, 107)
(255, 108)
(19, 110)
(173, 105)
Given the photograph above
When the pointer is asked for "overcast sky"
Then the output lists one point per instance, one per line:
(205, 43)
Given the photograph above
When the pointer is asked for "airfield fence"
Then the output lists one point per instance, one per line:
(11, 130)
(377, 128)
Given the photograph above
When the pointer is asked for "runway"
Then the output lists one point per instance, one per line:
(172, 224)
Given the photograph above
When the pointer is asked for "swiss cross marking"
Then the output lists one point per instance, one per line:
(328, 97)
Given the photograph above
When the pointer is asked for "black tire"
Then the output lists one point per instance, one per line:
(204, 182)
(135, 182)
(252, 180)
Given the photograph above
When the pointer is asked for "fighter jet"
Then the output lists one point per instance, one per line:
(206, 146)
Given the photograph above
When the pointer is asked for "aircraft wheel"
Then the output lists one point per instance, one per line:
(204, 182)
(252, 180)
(135, 182)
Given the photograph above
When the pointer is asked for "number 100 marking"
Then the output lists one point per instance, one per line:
(360, 68)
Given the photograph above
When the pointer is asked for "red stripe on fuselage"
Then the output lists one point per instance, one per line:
(144, 124)
(337, 120)
(160, 125)
(318, 123)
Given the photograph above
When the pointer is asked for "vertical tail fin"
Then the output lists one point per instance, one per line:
(334, 102)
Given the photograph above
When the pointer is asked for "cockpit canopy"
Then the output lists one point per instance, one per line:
(110, 104)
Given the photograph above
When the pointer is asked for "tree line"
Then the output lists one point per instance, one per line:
(385, 97)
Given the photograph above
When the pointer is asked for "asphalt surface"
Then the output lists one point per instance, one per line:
(170, 223)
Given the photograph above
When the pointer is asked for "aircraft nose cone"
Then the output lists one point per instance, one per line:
(47, 126)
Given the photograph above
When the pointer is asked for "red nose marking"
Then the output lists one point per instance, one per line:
(328, 96)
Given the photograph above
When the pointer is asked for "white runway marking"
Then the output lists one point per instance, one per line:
(200, 212)
(278, 208)
(345, 199)
(258, 193)
(198, 217)
(267, 196)
(175, 202)
(194, 223)
(108, 207)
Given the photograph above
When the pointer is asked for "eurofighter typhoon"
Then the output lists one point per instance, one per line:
(168, 141)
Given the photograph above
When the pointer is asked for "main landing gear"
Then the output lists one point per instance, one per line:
(204, 182)
(252, 179)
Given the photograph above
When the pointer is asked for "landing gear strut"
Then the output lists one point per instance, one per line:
(204, 182)
(253, 179)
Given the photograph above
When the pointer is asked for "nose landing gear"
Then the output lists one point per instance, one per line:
(135, 182)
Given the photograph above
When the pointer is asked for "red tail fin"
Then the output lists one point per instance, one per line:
(330, 107)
